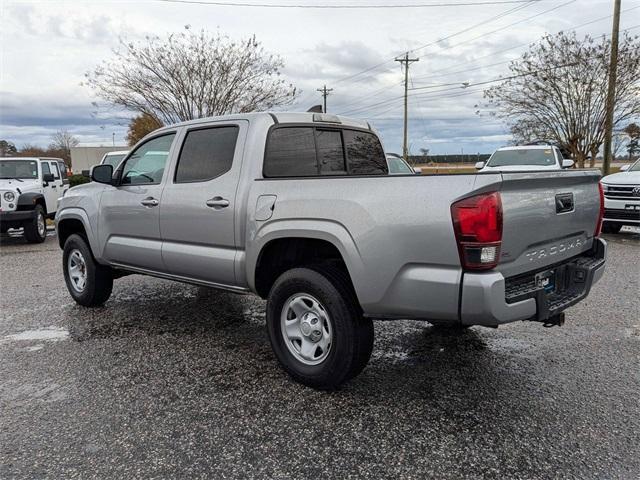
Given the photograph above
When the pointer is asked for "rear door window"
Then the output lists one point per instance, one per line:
(330, 152)
(206, 154)
(364, 153)
(291, 152)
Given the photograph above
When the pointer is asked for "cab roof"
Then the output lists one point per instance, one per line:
(284, 117)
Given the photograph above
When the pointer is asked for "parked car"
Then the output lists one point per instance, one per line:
(397, 166)
(29, 192)
(300, 209)
(525, 158)
(622, 198)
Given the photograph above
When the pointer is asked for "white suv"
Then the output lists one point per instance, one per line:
(621, 198)
(525, 158)
(29, 192)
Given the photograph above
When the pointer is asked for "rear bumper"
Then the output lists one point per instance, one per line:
(491, 300)
(16, 218)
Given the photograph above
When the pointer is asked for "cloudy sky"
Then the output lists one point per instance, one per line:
(48, 46)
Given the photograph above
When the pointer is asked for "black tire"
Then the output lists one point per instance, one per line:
(352, 341)
(99, 280)
(32, 232)
(608, 227)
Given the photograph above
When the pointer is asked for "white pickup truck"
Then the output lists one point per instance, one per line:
(301, 209)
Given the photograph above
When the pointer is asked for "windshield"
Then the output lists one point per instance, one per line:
(535, 156)
(397, 165)
(113, 159)
(635, 167)
(18, 169)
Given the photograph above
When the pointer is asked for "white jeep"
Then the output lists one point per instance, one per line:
(29, 192)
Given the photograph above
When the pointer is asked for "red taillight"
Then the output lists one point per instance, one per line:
(477, 222)
(601, 214)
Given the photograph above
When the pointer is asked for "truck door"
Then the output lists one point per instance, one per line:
(129, 226)
(57, 184)
(49, 189)
(199, 204)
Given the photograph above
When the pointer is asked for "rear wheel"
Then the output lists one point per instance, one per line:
(608, 227)
(88, 282)
(35, 231)
(316, 327)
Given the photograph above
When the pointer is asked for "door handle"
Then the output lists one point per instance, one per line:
(150, 202)
(217, 202)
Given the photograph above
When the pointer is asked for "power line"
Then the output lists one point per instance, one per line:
(437, 72)
(496, 17)
(466, 30)
(464, 85)
(374, 67)
(348, 6)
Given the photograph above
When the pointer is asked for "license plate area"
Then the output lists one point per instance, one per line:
(546, 280)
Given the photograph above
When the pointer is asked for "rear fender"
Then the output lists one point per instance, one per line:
(329, 231)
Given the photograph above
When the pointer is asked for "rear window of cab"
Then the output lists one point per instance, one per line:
(309, 151)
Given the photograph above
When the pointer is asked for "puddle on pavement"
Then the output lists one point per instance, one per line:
(44, 334)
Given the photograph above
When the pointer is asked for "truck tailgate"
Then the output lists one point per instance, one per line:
(547, 217)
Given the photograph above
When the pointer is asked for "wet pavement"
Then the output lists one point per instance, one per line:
(174, 381)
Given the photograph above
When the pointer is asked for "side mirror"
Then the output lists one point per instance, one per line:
(479, 165)
(566, 163)
(47, 177)
(417, 170)
(102, 173)
(624, 168)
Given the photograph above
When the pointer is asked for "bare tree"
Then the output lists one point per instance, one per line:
(191, 75)
(61, 142)
(556, 92)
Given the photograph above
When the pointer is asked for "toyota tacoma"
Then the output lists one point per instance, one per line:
(300, 209)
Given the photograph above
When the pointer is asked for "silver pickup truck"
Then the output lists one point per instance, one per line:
(300, 209)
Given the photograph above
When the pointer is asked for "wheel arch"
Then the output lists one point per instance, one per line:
(29, 200)
(75, 220)
(281, 247)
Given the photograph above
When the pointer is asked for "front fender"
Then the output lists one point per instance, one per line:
(76, 213)
(327, 230)
(28, 200)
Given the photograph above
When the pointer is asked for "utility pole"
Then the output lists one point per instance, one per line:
(325, 93)
(611, 90)
(405, 62)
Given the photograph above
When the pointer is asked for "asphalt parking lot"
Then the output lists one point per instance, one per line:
(174, 381)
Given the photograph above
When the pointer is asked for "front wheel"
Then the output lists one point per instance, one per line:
(316, 327)
(88, 282)
(35, 231)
